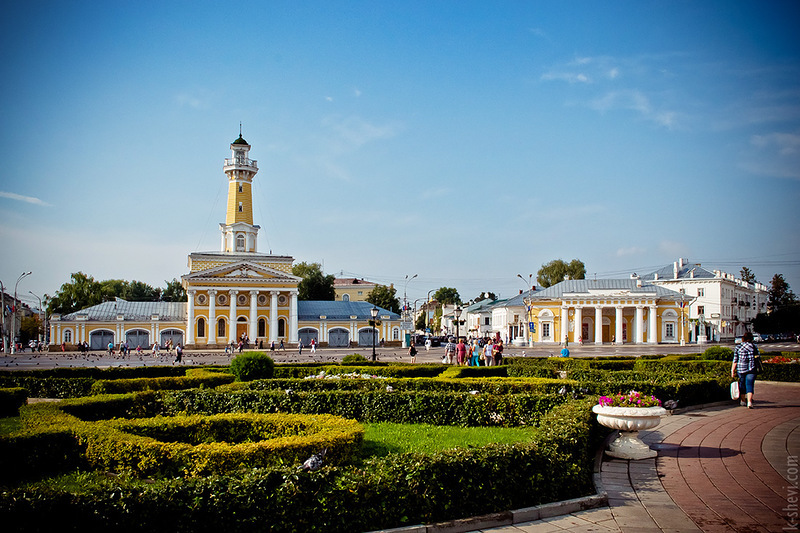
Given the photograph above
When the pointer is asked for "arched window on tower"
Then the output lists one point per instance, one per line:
(240, 243)
(240, 207)
(345, 297)
(201, 327)
(240, 190)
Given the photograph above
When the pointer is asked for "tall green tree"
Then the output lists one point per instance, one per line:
(385, 297)
(559, 270)
(315, 284)
(485, 295)
(747, 275)
(780, 295)
(174, 291)
(82, 291)
(139, 291)
(447, 296)
(30, 327)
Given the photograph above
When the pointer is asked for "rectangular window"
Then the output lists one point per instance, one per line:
(546, 330)
(701, 292)
(486, 321)
(701, 310)
(670, 331)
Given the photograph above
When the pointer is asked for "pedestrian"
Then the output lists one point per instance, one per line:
(412, 352)
(498, 353)
(155, 349)
(449, 351)
(300, 347)
(313, 345)
(178, 353)
(282, 347)
(427, 344)
(461, 352)
(110, 348)
(487, 353)
(476, 354)
(272, 346)
(565, 351)
(745, 363)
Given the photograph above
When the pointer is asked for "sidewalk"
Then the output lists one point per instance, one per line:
(723, 468)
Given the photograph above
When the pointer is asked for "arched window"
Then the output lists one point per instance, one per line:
(281, 327)
(262, 327)
(240, 243)
(345, 297)
(68, 335)
(221, 327)
(201, 327)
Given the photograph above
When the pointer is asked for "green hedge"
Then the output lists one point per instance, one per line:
(193, 378)
(358, 497)
(11, 400)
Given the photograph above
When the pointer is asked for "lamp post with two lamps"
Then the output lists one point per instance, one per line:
(528, 305)
(14, 313)
(374, 313)
(457, 314)
(405, 307)
(42, 317)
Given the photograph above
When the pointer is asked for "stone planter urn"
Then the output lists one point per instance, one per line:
(629, 421)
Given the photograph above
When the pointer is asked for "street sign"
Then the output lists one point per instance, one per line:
(532, 327)
(405, 326)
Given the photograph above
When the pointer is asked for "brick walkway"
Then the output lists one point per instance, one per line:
(724, 468)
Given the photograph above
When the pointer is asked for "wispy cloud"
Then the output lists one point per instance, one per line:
(774, 154)
(634, 100)
(784, 143)
(673, 248)
(569, 77)
(27, 199)
(631, 250)
(354, 132)
(194, 101)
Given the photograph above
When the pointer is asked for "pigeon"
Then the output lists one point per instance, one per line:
(670, 405)
(314, 462)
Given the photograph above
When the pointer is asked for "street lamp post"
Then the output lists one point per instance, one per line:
(14, 313)
(428, 312)
(42, 317)
(405, 306)
(374, 313)
(457, 314)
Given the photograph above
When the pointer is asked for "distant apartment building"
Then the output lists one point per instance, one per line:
(352, 289)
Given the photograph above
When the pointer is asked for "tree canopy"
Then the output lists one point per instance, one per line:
(315, 285)
(84, 291)
(747, 275)
(558, 270)
(174, 291)
(385, 297)
(447, 295)
(485, 295)
(780, 295)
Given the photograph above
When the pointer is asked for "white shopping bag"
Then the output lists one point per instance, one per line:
(735, 390)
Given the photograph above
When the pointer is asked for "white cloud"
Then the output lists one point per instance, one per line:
(785, 143)
(356, 92)
(191, 100)
(329, 98)
(673, 249)
(634, 100)
(27, 199)
(569, 77)
(613, 73)
(354, 132)
(631, 250)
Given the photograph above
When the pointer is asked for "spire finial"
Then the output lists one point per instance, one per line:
(240, 128)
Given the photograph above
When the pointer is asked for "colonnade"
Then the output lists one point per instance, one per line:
(233, 314)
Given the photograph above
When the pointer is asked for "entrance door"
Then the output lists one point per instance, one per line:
(137, 337)
(174, 335)
(241, 328)
(339, 337)
(98, 340)
(366, 337)
(306, 334)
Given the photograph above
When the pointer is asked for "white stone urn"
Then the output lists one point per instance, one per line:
(629, 421)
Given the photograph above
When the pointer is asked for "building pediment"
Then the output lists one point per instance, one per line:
(241, 272)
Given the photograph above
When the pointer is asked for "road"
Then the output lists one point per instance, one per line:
(57, 359)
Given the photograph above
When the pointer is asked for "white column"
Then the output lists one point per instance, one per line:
(273, 316)
(618, 324)
(639, 324)
(598, 325)
(253, 317)
(564, 325)
(190, 317)
(232, 317)
(211, 335)
(652, 329)
(578, 324)
(293, 317)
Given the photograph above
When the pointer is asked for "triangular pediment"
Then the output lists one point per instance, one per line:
(242, 271)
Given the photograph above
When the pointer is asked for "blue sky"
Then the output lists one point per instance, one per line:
(464, 142)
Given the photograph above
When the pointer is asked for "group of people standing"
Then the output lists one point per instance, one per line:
(475, 352)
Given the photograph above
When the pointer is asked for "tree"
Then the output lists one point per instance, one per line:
(83, 291)
(747, 275)
(386, 297)
(174, 291)
(315, 285)
(558, 270)
(447, 295)
(420, 323)
(138, 291)
(780, 295)
(485, 295)
(29, 328)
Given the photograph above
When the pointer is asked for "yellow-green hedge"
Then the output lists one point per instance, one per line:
(194, 378)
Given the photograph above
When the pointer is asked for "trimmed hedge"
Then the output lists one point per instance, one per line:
(359, 497)
(193, 378)
(11, 400)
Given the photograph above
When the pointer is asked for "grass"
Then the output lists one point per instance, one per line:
(383, 438)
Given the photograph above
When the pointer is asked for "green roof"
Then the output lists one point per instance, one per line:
(240, 140)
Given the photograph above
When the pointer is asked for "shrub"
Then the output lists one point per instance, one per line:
(11, 400)
(718, 353)
(353, 359)
(252, 365)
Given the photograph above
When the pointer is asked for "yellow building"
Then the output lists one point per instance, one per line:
(352, 289)
(233, 294)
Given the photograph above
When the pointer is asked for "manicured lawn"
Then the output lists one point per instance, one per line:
(384, 438)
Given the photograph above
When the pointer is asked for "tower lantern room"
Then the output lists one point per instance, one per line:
(239, 234)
